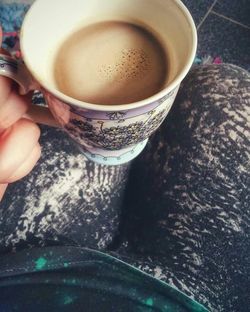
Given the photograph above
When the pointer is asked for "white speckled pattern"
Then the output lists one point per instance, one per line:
(185, 217)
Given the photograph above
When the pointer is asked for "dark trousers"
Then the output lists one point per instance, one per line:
(180, 211)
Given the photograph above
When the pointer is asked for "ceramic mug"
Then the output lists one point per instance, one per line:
(106, 134)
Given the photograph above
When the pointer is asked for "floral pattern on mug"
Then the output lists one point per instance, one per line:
(115, 134)
(114, 130)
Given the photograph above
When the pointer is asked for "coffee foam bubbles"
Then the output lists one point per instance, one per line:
(129, 65)
(111, 63)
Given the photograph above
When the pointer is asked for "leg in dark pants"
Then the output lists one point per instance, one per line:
(66, 200)
(187, 210)
(186, 213)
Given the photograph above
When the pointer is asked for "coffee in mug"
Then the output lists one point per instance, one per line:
(109, 70)
(127, 61)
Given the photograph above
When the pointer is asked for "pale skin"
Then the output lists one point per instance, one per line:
(19, 146)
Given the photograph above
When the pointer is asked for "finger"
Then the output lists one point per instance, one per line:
(16, 145)
(13, 108)
(6, 85)
(3, 188)
(27, 165)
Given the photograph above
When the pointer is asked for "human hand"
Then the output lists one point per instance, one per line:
(19, 147)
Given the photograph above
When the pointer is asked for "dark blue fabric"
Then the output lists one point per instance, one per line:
(80, 279)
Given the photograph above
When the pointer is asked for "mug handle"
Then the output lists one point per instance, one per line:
(16, 70)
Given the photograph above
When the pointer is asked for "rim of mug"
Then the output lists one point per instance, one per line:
(121, 107)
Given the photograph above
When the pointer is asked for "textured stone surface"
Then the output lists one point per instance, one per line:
(238, 10)
(221, 37)
(198, 9)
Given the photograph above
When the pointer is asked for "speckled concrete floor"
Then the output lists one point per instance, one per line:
(223, 29)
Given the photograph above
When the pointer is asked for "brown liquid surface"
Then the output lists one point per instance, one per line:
(111, 63)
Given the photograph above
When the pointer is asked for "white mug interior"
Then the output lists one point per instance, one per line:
(48, 23)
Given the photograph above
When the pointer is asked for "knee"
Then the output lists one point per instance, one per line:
(224, 88)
